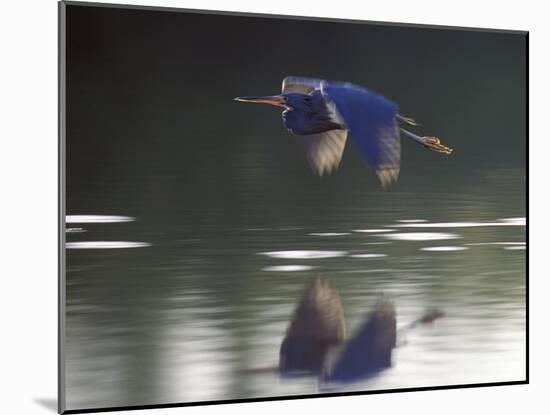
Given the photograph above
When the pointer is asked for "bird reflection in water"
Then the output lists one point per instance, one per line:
(315, 342)
(317, 327)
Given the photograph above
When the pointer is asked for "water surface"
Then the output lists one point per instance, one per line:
(195, 312)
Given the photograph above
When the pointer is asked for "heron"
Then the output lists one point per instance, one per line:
(320, 114)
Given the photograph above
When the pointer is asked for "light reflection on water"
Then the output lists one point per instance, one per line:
(422, 236)
(329, 233)
(304, 254)
(500, 222)
(288, 268)
(368, 255)
(106, 245)
(443, 248)
(497, 243)
(199, 318)
(75, 230)
(373, 230)
(98, 219)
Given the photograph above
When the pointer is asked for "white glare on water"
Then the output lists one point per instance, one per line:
(499, 222)
(329, 234)
(443, 248)
(97, 219)
(412, 220)
(75, 230)
(496, 243)
(304, 254)
(288, 268)
(105, 245)
(373, 230)
(422, 236)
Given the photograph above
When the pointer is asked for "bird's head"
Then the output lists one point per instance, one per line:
(288, 101)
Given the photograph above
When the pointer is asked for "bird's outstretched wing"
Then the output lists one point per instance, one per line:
(300, 84)
(323, 151)
(371, 120)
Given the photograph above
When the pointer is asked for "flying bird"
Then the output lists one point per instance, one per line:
(321, 113)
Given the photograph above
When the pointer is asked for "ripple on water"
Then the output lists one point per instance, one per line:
(443, 248)
(412, 220)
(517, 221)
(75, 230)
(288, 268)
(497, 243)
(422, 236)
(329, 233)
(106, 245)
(368, 255)
(373, 230)
(97, 219)
(499, 222)
(515, 248)
(304, 254)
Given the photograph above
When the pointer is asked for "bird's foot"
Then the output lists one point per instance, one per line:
(434, 144)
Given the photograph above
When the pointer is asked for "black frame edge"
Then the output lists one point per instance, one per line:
(292, 397)
(61, 104)
(527, 53)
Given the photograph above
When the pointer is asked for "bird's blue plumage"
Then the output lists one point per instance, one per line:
(372, 122)
(307, 113)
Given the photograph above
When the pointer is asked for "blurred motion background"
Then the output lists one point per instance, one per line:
(224, 223)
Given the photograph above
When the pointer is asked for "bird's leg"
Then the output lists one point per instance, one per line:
(432, 143)
(406, 120)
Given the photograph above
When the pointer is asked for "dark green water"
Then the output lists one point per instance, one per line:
(232, 223)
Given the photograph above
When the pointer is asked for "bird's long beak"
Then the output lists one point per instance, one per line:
(277, 100)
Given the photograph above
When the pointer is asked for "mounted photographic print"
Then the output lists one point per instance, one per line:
(264, 207)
